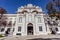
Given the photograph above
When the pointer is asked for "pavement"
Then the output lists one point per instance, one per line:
(32, 37)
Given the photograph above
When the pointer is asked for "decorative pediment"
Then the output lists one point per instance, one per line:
(35, 11)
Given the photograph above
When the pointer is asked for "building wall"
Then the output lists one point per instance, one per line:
(28, 14)
(34, 20)
(25, 15)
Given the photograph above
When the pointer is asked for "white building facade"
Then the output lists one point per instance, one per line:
(29, 20)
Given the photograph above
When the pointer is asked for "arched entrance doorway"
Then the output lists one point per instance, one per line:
(30, 29)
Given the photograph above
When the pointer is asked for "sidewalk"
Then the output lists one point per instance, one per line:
(30, 37)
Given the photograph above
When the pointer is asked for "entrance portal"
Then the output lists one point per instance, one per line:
(30, 29)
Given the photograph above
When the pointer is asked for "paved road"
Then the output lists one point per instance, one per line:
(45, 39)
(31, 37)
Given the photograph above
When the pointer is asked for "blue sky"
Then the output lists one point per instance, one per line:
(11, 6)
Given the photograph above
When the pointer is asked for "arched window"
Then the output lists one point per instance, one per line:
(30, 29)
(30, 24)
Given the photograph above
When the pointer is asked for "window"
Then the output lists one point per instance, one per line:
(2, 29)
(20, 19)
(40, 28)
(39, 19)
(18, 34)
(10, 18)
(8, 29)
(13, 29)
(19, 28)
(57, 29)
(10, 23)
(30, 18)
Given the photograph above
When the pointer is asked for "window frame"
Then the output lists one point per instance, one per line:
(8, 29)
(20, 19)
(19, 28)
(30, 18)
(2, 29)
(40, 28)
(39, 19)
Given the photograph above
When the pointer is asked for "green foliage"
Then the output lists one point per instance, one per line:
(1, 35)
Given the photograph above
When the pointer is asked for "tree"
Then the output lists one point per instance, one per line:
(53, 8)
(3, 17)
(2, 11)
(49, 6)
(57, 2)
